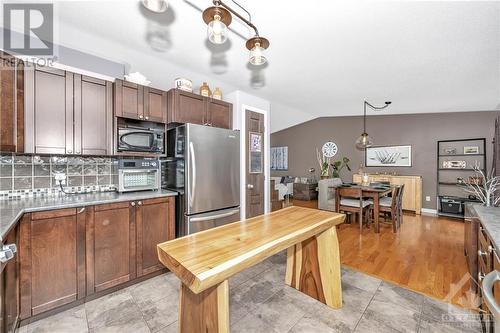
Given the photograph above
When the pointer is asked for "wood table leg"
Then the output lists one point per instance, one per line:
(206, 312)
(376, 212)
(313, 267)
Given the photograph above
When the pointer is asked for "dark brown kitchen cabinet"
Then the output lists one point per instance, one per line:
(12, 104)
(155, 105)
(219, 113)
(51, 254)
(138, 102)
(111, 246)
(155, 224)
(67, 113)
(10, 288)
(186, 107)
(93, 113)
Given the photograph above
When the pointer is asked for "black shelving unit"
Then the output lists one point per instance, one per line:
(450, 191)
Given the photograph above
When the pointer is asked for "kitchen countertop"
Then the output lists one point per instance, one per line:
(12, 210)
(490, 220)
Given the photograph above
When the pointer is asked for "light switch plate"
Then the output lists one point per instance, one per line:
(428, 198)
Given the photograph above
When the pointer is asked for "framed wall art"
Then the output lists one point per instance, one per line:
(388, 156)
(279, 158)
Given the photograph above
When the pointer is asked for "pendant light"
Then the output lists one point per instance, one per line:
(218, 17)
(156, 6)
(365, 141)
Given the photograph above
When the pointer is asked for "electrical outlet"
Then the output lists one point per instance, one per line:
(60, 178)
(428, 198)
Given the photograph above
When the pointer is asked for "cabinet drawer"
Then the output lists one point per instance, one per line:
(485, 257)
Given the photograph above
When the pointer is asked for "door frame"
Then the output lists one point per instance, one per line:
(243, 157)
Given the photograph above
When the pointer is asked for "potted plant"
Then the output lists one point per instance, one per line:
(483, 187)
(324, 164)
(337, 166)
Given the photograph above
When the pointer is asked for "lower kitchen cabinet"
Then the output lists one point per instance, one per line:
(9, 288)
(155, 224)
(66, 255)
(51, 253)
(110, 246)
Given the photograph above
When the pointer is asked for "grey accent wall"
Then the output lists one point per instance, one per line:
(422, 131)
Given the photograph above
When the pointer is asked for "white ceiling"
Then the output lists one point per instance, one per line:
(325, 57)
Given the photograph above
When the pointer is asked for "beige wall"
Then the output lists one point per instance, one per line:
(422, 131)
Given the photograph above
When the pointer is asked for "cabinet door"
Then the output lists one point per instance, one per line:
(155, 105)
(49, 111)
(93, 116)
(12, 106)
(10, 286)
(110, 246)
(155, 224)
(51, 260)
(129, 100)
(409, 191)
(185, 107)
(220, 114)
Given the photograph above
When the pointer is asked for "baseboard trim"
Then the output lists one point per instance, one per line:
(428, 211)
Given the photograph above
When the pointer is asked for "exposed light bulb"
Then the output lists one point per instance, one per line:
(217, 31)
(257, 55)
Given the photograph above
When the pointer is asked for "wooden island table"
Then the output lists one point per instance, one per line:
(206, 260)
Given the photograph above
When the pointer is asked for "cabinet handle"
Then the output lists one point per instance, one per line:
(480, 276)
(140, 117)
(70, 151)
(481, 253)
(147, 118)
(139, 203)
(77, 152)
(132, 204)
(81, 210)
(491, 249)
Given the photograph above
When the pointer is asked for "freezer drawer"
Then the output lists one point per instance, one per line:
(200, 222)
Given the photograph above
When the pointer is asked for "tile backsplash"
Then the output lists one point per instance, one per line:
(35, 174)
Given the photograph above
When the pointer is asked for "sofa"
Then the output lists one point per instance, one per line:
(283, 188)
(326, 197)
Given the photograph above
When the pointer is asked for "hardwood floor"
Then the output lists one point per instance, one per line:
(425, 255)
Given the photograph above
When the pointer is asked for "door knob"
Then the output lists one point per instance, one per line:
(132, 204)
(139, 203)
(250, 186)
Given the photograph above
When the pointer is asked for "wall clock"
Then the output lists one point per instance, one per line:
(329, 149)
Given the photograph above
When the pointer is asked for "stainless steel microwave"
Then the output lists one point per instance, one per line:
(141, 139)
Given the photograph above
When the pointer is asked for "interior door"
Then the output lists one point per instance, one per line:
(254, 143)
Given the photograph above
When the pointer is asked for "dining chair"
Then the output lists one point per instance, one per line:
(391, 206)
(351, 200)
(400, 204)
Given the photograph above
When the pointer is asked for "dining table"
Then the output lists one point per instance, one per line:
(374, 192)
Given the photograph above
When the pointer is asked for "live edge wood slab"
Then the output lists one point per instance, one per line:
(204, 261)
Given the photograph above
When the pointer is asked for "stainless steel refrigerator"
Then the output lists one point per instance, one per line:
(203, 165)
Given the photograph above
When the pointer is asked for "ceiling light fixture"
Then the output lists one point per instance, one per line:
(364, 141)
(157, 6)
(218, 18)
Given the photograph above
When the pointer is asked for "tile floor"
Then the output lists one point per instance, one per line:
(261, 302)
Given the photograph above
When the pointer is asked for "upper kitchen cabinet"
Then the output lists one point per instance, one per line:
(219, 113)
(67, 113)
(93, 103)
(12, 104)
(138, 102)
(186, 107)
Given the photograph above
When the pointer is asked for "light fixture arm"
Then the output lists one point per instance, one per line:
(250, 24)
(374, 108)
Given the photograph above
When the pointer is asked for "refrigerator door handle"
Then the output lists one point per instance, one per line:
(193, 171)
(213, 217)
